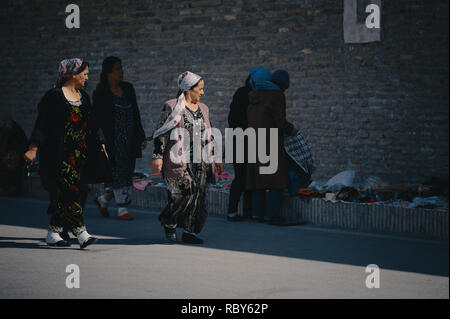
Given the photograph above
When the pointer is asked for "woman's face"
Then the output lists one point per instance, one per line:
(116, 74)
(196, 93)
(81, 78)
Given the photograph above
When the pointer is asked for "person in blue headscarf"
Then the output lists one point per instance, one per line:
(267, 109)
(280, 79)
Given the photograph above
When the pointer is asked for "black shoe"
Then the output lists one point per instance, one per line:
(247, 215)
(61, 243)
(88, 242)
(65, 235)
(281, 222)
(191, 239)
(258, 219)
(171, 234)
(235, 218)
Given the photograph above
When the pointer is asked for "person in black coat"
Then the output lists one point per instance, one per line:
(66, 136)
(13, 143)
(237, 118)
(117, 112)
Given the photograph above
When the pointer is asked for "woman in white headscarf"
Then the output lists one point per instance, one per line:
(187, 172)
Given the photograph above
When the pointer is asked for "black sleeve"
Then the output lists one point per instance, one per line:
(278, 111)
(20, 140)
(238, 109)
(95, 117)
(40, 131)
(138, 121)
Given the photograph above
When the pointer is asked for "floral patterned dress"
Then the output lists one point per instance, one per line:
(186, 206)
(68, 200)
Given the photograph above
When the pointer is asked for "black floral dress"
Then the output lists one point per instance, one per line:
(67, 200)
(186, 206)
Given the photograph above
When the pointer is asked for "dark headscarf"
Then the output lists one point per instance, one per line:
(260, 79)
(280, 78)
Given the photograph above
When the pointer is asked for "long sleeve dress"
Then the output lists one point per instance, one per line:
(65, 134)
(120, 121)
(186, 194)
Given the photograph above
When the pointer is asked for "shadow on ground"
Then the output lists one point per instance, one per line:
(359, 249)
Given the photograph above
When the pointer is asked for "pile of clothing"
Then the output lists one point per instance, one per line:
(141, 179)
(432, 193)
(224, 180)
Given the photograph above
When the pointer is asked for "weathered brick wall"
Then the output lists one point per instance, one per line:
(379, 108)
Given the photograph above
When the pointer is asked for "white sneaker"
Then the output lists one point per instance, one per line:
(102, 201)
(85, 239)
(54, 239)
(124, 214)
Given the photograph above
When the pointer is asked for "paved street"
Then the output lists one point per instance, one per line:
(237, 260)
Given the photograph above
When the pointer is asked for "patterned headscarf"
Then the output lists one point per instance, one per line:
(67, 68)
(186, 81)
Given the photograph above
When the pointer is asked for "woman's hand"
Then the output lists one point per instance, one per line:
(144, 145)
(30, 155)
(219, 168)
(157, 164)
(104, 150)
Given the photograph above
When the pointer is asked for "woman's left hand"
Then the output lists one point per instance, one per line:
(104, 150)
(219, 168)
(144, 145)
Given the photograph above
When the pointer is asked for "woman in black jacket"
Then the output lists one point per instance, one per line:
(65, 135)
(237, 118)
(117, 112)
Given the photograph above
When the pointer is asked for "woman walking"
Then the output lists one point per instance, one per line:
(185, 179)
(117, 113)
(64, 133)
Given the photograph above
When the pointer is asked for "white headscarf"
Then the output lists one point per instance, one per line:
(186, 81)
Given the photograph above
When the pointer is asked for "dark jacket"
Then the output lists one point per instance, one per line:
(12, 138)
(267, 109)
(237, 118)
(48, 135)
(238, 108)
(13, 144)
(104, 114)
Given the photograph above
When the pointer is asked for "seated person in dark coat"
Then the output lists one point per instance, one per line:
(13, 143)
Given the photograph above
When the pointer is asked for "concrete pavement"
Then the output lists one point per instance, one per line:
(237, 260)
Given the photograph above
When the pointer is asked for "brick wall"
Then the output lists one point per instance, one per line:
(379, 108)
